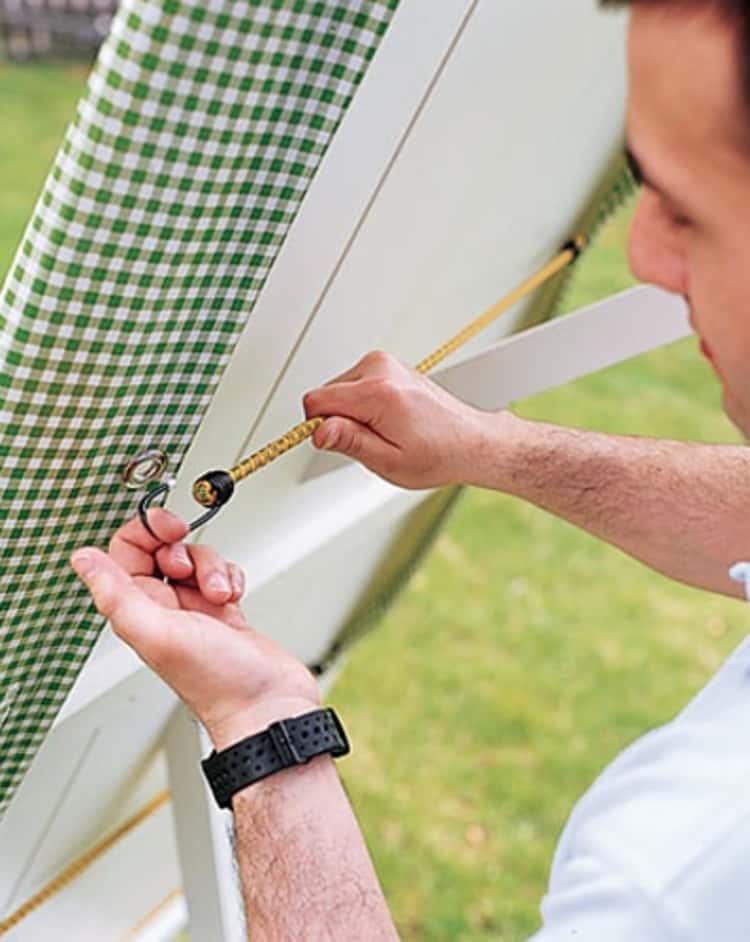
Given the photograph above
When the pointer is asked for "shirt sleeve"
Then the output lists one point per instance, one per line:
(658, 850)
(591, 903)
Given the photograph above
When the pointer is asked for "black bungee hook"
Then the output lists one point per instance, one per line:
(156, 498)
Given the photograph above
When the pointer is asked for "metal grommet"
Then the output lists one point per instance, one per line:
(144, 468)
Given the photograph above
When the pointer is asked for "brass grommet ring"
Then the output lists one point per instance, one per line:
(144, 468)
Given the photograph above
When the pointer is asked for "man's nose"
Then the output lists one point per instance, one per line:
(655, 246)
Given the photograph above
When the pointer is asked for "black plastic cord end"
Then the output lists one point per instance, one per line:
(214, 488)
(576, 246)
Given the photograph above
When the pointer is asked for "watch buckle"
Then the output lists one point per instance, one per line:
(344, 749)
(283, 744)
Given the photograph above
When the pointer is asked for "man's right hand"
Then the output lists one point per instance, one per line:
(399, 424)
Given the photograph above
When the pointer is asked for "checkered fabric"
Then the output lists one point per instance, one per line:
(201, 129)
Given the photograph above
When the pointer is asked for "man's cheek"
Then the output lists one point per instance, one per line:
(738, 411)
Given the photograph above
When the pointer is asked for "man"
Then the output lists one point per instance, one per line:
(659, 849)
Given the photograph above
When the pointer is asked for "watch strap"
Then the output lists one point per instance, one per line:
(284, 744)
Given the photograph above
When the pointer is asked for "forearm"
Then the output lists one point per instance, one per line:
(305, 869)
(679, 507)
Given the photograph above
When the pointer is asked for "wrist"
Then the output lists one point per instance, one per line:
(257, 716)
(498, 449)
(283, 751)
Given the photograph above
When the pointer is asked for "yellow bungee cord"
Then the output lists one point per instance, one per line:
(214, 489)
(75, 869)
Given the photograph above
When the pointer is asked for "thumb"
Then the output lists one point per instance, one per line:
(134, 616)
(354, 440)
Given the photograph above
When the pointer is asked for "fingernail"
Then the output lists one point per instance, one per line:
(83, 563)
(238, 581)
(170, 516)
(219, 582)
(328, 440)
(181, 555)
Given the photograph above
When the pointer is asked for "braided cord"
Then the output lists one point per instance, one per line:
(557, 264)
(82, 863)
(259, 459)
(304, 430)
(143, 924)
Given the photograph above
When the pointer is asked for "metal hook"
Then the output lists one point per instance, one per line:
(160, 494)
(148, 500)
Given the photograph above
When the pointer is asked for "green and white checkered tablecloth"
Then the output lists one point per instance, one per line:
(201, 129)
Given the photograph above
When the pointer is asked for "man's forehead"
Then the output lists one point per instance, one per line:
(685, 98)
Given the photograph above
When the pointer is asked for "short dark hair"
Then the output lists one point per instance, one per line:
(736, 12)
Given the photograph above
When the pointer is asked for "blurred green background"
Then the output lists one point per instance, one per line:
(523, 654)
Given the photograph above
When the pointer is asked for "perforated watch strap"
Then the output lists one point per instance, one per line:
(284, 744)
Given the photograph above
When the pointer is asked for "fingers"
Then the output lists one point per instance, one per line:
(139, 554)
(237, 578)
(349, 376)
(194, 600)
(174, 562)
(132, 546)
(365, 400)
(139, 608)
(375, 366)
(220, 582)
(376, 363)
(355, 441)
(135, 617)
(162, 593)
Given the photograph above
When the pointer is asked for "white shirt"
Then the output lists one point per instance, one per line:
(658, 849)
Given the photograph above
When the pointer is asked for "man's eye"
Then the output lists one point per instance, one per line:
(677, 217)
(634, 167)
(680, 219)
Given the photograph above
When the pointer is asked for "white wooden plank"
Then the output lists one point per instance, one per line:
(203, 838)
(562, 350)
(392, 92)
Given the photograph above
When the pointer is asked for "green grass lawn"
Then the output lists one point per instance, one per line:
(36, 104)
(522, 656)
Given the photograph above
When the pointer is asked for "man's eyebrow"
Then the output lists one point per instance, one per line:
(634, 166)
(643, 178)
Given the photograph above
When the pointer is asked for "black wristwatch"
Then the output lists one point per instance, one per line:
(286, 743)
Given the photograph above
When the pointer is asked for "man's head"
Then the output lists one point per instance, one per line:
(688, 132)
(736, 13)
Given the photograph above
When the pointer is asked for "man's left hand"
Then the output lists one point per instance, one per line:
(191, 631)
